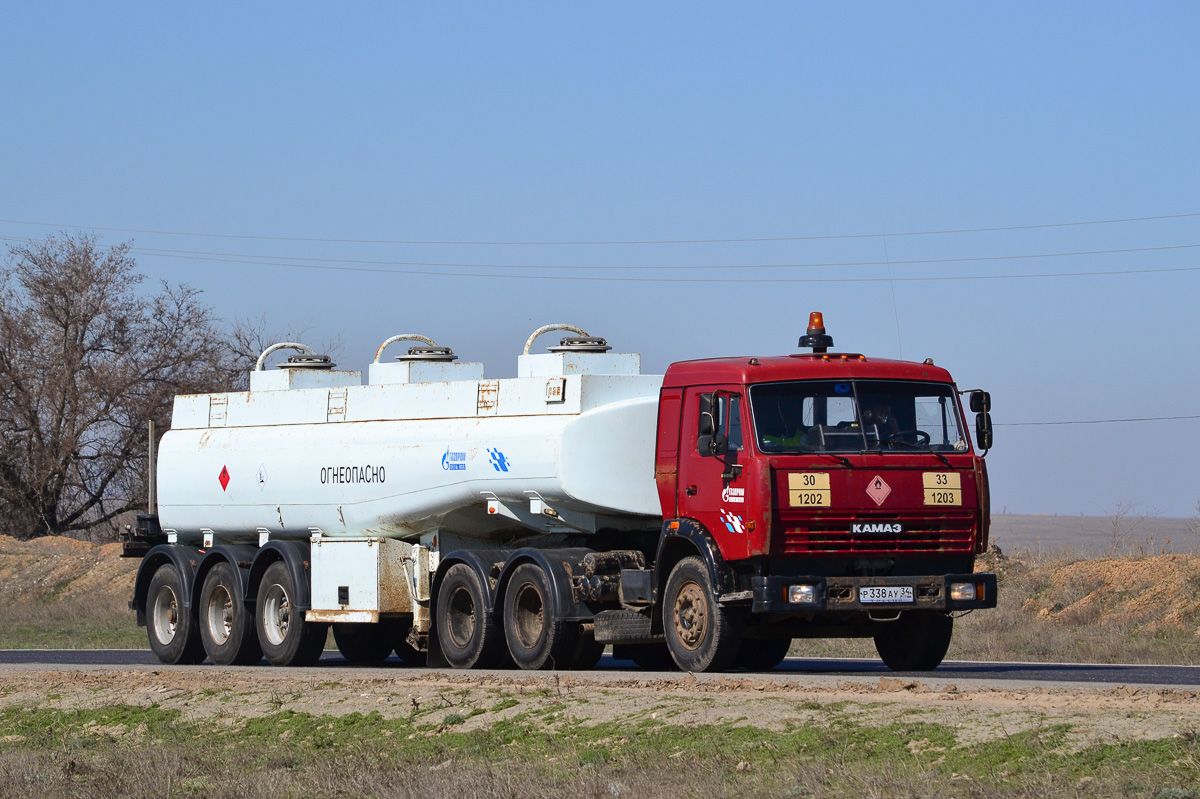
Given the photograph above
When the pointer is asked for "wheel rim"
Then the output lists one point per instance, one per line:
(219, 615)
(165, 615)
(690, 615)
(277, 614)
(461, 618)
(529, 612)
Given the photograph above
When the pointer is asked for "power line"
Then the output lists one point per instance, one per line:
(739, 280)
(909, 262)
(745, 240)
(1097, 421)
(292, 261)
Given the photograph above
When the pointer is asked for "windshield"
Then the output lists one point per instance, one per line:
(856, 416)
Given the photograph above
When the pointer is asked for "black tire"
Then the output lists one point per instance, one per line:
(172, 628)
(398, 633)
(917, 641)
(761, 654)
(467, 633)
(537, 636)
(702, 635)
(586, 653)
(226, 626)
(651, 657)
(285, 637)
(363, 644)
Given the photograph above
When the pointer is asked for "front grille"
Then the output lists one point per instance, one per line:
(921, 536)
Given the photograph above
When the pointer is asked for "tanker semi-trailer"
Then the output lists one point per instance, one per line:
(700, 519)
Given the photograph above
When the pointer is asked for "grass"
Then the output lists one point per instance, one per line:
(121, 750)
(93, 622)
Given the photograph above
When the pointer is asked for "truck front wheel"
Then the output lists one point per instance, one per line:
(173, 632)
(467, 633)
(702, 635)
(286, 638)
(226, 628)
(917, 641)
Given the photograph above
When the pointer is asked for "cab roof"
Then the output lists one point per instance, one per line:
(770, 369)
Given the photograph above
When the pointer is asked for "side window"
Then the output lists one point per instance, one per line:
(720, 413)
(731, 420)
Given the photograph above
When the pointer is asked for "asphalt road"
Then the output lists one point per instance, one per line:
(791, 668)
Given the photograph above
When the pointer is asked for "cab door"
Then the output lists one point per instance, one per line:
(714, 486)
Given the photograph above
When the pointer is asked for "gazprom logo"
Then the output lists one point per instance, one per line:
(454, 461)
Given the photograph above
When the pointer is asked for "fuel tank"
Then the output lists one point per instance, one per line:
(422, 447)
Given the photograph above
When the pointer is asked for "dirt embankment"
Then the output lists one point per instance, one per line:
(56, 569)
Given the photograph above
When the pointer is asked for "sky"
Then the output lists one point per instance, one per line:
(1010, 189)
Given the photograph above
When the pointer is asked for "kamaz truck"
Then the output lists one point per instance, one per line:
(701, 519)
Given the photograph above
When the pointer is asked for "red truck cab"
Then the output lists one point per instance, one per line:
(840, 494)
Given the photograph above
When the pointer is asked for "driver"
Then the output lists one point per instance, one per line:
(879, 413)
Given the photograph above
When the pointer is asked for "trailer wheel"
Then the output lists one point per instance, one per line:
(171, 626)
(762, 654)
(702, 635)
(286, 638)
(468, 635)
(367, 644)
(226, 628)
(408, 654)
(917, 641)
(537, 637)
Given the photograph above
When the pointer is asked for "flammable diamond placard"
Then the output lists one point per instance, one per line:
(878, 490)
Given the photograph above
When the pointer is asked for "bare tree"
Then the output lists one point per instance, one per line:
(248, 339)
(86, 360)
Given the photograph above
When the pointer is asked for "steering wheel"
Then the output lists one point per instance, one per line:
(919, 437)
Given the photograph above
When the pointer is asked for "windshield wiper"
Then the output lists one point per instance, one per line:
(919, 448)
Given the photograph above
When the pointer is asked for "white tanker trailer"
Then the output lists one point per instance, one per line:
(537, 518)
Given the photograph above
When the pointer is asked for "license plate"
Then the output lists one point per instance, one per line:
(885, 593)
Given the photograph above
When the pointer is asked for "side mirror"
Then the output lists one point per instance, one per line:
(981, 402)
(708, 422)
(983, 428)
(718, 444)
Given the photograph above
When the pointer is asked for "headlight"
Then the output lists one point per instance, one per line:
(802, 594)
(962, 591)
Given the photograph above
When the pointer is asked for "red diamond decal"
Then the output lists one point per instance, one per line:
(878, 490)
(224, 478)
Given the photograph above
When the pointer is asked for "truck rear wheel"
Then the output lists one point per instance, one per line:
(226, 628)
(366, 644)
(917, 641)
(702, 635)
(468, 635)
(286, 638)
(172, 628)
(537, 637)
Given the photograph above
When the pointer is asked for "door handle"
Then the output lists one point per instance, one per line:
(690, 491)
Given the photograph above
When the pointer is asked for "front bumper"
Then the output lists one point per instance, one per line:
(930, 592)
